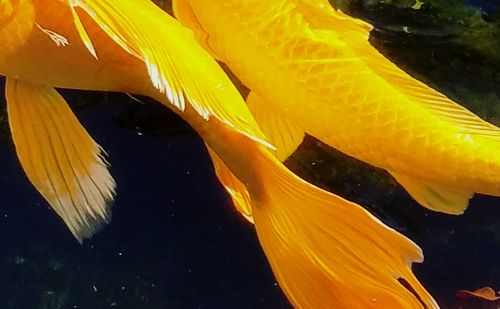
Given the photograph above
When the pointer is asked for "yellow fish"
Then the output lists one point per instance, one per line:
(326, 252)
(312, 70)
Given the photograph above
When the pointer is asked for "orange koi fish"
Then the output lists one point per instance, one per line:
(312, 70)
(326, 252)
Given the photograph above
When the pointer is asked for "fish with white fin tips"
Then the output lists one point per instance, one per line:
(323, 249)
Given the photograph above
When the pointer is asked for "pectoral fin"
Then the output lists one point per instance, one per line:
(177, 66)
(284, 135)
(436, 197)
(59, 157)
(420, 94)
(233, 185)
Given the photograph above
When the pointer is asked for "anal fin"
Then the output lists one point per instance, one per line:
(282, 134)
(236, 189)
(59, 157)
(437, 197)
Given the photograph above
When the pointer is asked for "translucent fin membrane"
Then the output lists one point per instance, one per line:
(177, 65)
(236, 189)
(59, 157)
(282, 133)
(327, 252)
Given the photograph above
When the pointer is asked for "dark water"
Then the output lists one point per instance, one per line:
(176, 242)
(486, 5)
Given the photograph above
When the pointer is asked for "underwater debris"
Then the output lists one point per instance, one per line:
(486, 293)
(483, 298)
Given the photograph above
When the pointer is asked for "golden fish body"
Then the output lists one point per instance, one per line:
(314, 67)
(47, 50)
(324, 250)
(53, 53)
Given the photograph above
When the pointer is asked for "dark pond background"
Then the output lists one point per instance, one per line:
(175, 240)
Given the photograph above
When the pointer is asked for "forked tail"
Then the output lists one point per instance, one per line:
(327, 252)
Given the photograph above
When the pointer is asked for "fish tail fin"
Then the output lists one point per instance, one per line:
(327, 252)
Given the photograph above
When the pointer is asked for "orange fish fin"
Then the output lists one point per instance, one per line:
(83, 33)
(184, 13)
(421, 94)
(321, 14)
(437, 197)
(178, 67)
(327, 252)
(59, 157)
(285, 136)
(233, 185)
(355, 33)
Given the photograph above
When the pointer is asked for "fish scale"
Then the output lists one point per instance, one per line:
(323, 249)
(315, 68)
(16, 21)
(38, 63)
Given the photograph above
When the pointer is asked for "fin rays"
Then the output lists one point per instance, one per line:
(433, 101)
(183, 72)
(437, 197)
(327, 252)
(73, 178)
(284, 135)
(236, 190)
